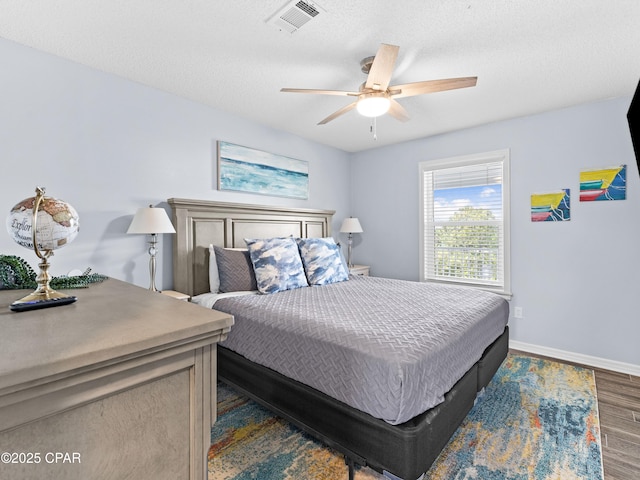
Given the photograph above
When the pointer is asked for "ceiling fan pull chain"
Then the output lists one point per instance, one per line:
(373, 128)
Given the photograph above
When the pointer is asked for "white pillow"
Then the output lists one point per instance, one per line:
(214, 277)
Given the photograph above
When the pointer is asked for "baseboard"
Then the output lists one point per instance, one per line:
(597, 362)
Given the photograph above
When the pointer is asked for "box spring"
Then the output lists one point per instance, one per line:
(406, 450)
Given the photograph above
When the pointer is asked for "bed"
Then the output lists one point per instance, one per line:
(397, 440)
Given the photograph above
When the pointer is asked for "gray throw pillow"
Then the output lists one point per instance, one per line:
(235, 270)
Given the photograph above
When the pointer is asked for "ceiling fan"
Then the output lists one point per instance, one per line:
(375, 97)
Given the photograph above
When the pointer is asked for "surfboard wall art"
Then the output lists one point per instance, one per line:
(551, 207)
(603, 184)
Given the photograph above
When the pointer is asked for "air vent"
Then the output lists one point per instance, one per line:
(293, 16)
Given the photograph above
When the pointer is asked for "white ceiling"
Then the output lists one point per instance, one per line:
(529, 55)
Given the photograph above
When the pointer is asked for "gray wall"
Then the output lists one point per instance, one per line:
(577, 281)
(109, 146)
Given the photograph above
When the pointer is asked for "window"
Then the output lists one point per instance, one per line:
(465, 221)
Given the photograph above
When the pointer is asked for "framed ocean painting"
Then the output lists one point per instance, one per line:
(244, 169)
(603, 184)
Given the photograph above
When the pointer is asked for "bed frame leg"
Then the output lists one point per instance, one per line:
(351, 464)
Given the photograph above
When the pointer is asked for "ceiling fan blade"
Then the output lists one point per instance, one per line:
(335, 115)
(319, 92)
(382, 67)
(431, 86)
(397, 111)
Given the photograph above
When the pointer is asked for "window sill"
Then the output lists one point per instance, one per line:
(503, 293)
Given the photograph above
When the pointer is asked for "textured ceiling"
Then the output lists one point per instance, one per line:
(529, 56)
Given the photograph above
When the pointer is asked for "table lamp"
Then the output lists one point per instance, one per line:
(151, 221)
(350, 225)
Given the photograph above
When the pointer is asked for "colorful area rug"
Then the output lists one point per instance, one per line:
(536, 420)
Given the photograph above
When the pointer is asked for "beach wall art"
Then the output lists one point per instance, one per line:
(551, 206)
(603, 184)
(249, 170)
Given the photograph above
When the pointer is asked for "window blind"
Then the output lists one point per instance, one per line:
(464, 231)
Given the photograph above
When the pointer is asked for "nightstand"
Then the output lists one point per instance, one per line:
(176, 295)
(362, 270)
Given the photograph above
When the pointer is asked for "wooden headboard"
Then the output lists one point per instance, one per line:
(200, 223)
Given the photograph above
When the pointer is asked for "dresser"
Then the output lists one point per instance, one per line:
(120, 384)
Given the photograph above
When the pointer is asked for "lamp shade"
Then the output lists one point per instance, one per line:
(351, 225)
(373, 104)
(151, 220)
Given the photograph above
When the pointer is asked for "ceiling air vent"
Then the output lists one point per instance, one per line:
(293, 16)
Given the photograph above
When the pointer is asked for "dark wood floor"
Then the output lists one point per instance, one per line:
(619, 405)
(619, 408)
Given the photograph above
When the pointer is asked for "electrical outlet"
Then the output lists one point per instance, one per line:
(518, 313)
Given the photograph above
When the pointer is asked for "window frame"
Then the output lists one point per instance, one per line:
(502, 156)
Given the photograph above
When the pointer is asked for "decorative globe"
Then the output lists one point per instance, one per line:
(56, 223)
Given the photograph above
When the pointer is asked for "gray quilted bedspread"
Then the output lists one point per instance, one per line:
(391, 348)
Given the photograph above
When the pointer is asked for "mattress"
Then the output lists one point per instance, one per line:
(390, 348)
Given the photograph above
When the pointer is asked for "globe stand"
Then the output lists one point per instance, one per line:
(43, 296)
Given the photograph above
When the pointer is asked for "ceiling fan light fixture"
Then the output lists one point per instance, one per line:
(373, 104)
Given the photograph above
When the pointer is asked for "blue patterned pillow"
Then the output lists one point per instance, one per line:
(322, 261)
(277, 264)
